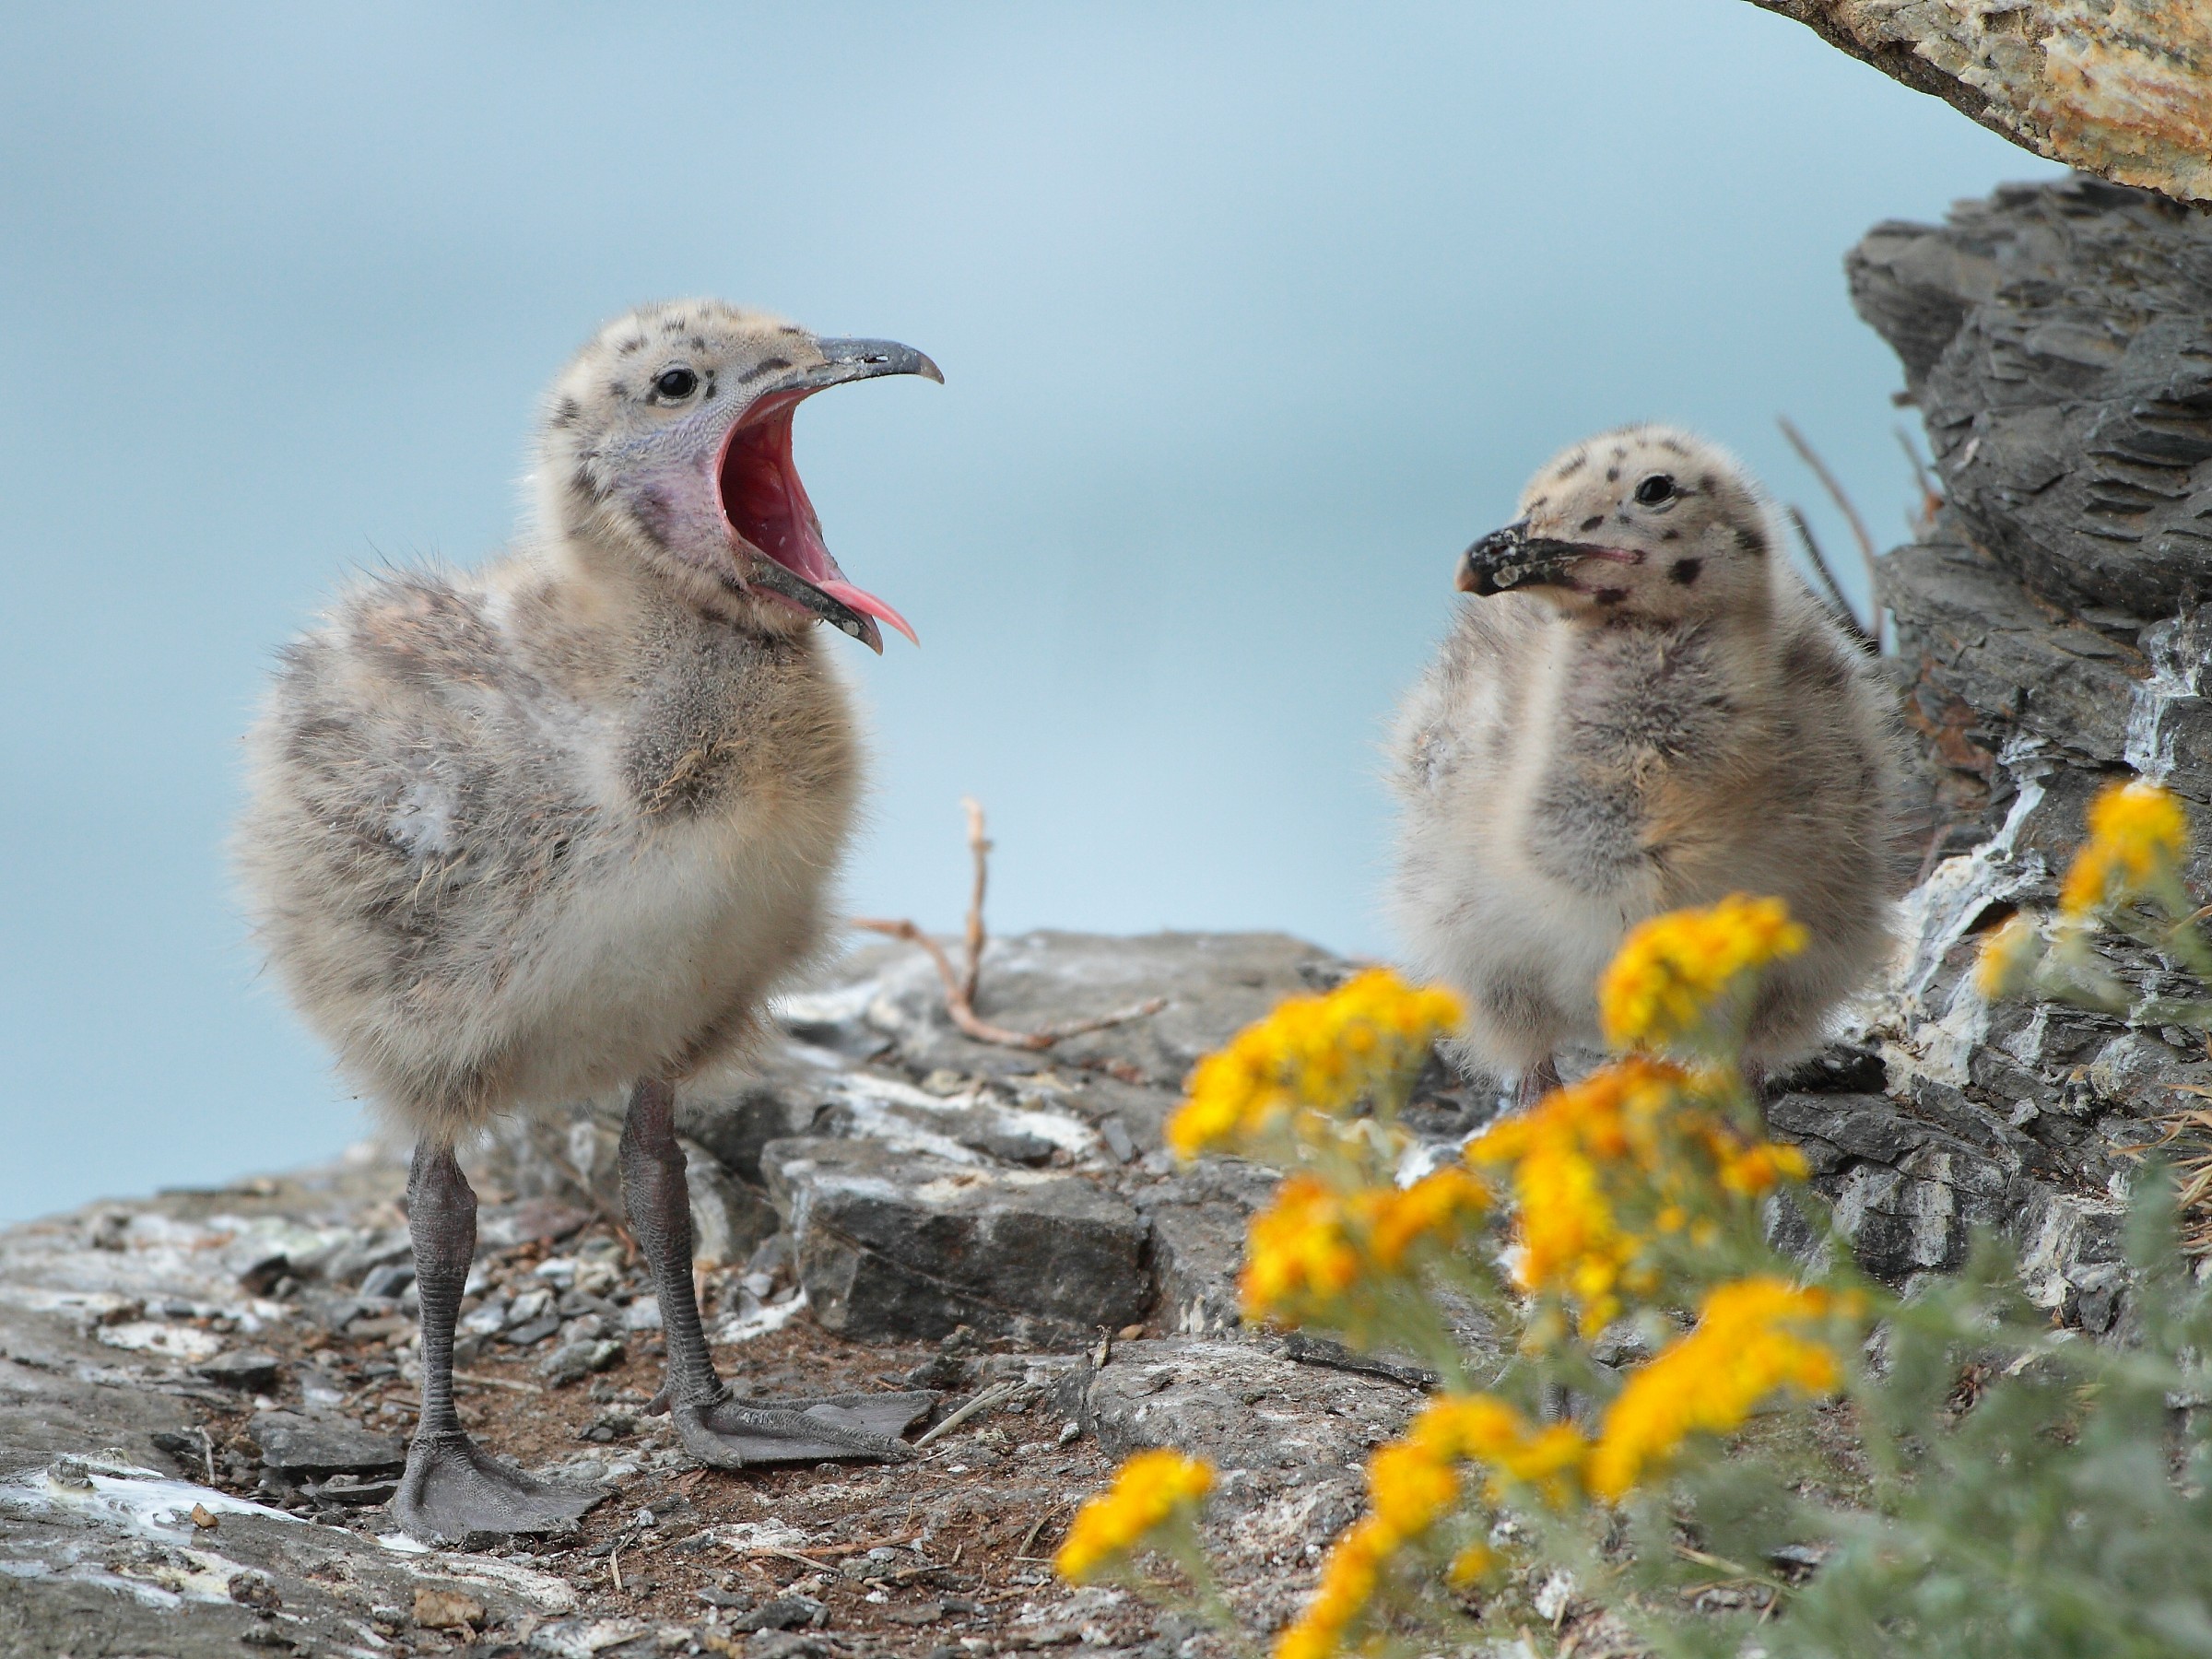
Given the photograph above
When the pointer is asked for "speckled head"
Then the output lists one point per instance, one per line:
(667, 442)
(1645, 523)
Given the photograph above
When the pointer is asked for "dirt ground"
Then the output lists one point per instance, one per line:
(906, 1558)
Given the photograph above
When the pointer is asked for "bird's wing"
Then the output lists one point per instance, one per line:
(428, 783)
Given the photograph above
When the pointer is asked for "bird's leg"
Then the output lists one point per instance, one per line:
(452, 1488)
(714, 1427)
(1537, 1082)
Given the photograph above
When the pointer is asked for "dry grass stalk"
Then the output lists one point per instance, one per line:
(960, 985)
(1843, 503)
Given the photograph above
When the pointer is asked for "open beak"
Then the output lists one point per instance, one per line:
(771, 524)
(1511, 558)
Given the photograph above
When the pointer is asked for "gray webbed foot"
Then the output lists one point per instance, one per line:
(452, 1489)
(725, 1434)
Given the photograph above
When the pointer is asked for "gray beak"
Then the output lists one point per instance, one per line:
(857, 361)
(1509, 558)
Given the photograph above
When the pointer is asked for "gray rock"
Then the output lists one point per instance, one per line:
(2058, 340)
(785, 1612)
(295, 1444)
(1199, 1216)
(2054, 337)
(573, 1361)
(912, 1246)
(246, 1369)
(1241, 1406)
(1215, 984)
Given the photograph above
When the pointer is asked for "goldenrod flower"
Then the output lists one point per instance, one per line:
(1312, 1053)
(2007, 959)
(1434, 1210)
(1150, 1489)
(1673, 975)
(1482, 1429)
(1571, 1243)
(1597, 1167)
(1314, 1244)
(2137, 835)
(1412, 1484)
(1300, 1252)
(1747, 1343)
(1347, 1584)
(1476, 1562)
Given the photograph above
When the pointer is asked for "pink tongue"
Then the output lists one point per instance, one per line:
(861, 600)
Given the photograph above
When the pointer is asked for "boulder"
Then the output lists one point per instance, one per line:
(296, 1445)
(905, 1244)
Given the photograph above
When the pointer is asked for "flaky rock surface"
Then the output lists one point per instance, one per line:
(2116, 87)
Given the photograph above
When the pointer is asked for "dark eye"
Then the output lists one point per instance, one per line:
(676, 383)
(1655, 489)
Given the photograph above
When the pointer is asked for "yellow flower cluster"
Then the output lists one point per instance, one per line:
(1318, 1053)
(1673, 972)
(1412, 1484)
(1314, 1243)
(1747, 1343)
(1632, 1125)
(2137, 834)
(1150, 1489)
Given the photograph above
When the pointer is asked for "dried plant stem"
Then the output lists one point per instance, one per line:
(979, 847)
(989, 1397)
(960, 987)
(1844, 502)
(1841, 605)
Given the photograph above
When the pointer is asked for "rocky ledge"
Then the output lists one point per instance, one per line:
(204, 1396)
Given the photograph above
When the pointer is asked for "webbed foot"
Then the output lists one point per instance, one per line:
(453, 1488)
(725, 1434)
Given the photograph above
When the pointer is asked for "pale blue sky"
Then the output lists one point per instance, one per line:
(1252, 316)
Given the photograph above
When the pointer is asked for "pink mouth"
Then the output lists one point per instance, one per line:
(766, 507)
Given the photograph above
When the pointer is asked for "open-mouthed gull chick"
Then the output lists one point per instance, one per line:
(1640, 709)
(558, 825)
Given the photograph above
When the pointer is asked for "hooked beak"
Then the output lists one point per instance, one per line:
(772, 526)
(1511, 558)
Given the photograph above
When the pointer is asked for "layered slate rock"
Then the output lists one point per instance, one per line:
(2057, 339)
(898, 1242)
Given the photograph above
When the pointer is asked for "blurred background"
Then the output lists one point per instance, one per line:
(1252, 316)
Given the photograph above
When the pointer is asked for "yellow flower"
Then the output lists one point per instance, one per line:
(1434, 1209)
(2007, 959)
(1476, 1562)
(1668, 982)
(2137, 834)
(1489, 1431)
(1312, 1053)
(1571, 1243)
(1314, 1244)
(1743, 1350)
(1150, 1489)
(1412, 1484)
(1347, 1584)
(1299, 1255)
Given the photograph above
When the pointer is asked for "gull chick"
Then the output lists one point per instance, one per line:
(1640, 708)
(559, 824)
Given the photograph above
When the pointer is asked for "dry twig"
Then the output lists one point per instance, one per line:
(989, 1397)
(1841, 605)
(1851, 513)
(960, 986)
(1931, 497)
